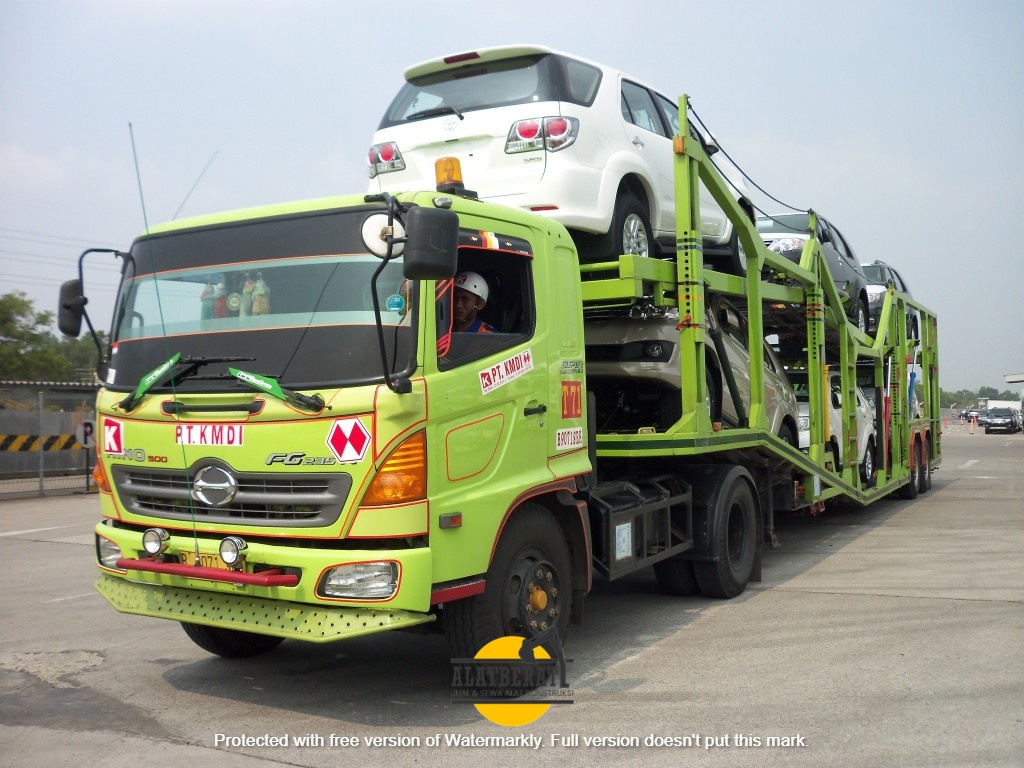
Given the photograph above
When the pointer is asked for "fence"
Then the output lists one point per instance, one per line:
(43, 426)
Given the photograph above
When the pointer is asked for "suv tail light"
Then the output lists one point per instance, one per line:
(385, 158)
(550, 133)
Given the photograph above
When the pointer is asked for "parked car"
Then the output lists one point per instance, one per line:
(879, 275)
(634, 365)
(786, 234)
(564, 137)
(867, 436)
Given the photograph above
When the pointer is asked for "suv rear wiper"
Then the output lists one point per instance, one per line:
(434, 111)
(159, 375)
(271, 387)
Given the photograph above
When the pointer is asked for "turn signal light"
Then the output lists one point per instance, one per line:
(403, 477)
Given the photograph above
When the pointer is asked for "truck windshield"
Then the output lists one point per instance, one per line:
(292, 294)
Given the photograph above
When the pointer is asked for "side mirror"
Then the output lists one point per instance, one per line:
(72, 307)
(432, 243)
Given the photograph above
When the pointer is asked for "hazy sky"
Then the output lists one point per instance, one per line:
(901, 121)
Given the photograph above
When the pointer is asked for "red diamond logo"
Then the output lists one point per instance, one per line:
(348, 440)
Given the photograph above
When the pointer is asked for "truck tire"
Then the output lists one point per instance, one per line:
(675, 577)
(732, 535)
(529, 586)
(924, 475)
(910, 490)
(230, 643)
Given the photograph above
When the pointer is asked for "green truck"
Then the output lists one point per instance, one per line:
(295, 442)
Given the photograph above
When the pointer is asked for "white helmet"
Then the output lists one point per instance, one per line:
(473, 283)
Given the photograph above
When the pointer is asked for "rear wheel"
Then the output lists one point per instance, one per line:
(631, 228)
(529, 586)
(911, 489)
(733, 541)
(675, 577)
(924, 475)
(230, 643)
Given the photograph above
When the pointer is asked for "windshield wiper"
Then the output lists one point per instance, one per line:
(271, 387)
(434, 111)
(159, 375)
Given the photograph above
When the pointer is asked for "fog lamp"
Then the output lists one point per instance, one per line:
(107, 552)
(655, 350)
(155, 540)
(232, 552)
(360, 581)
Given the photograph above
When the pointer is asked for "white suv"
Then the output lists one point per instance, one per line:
(550, 133)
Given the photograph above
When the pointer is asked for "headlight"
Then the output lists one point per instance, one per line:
(107, 553)
(787, 244)
(360, 581)
(876, 292)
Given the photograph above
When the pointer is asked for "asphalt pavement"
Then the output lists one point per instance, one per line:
(885, 636)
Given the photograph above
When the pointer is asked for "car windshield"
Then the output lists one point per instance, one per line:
(787, 222)
(290, 294)
(999, 412)
(519, 80)
(874, 273)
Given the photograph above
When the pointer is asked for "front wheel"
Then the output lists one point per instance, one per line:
(912, 488)
(860, 317)
(529, 586)
(230, 643)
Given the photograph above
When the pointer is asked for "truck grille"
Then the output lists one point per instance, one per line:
(299, 500)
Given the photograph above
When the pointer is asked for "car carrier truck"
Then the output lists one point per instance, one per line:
(293, 442)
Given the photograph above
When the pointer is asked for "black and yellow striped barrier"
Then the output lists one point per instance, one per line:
(29, 443)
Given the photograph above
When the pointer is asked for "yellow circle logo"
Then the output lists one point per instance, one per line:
(516, 714)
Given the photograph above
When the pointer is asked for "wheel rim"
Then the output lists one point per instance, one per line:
(532, 602)
(869, 464)
(862, 322)
(634, 236)
(736, 536)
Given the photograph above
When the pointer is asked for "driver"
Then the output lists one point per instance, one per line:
(470, 297)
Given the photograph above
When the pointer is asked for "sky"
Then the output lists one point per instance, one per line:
(898, 121)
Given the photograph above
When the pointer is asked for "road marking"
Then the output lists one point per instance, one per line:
(35, 530)
(70, 597)
(968, 464)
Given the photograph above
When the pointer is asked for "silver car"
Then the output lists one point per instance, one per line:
(633, 366)
(866, 437)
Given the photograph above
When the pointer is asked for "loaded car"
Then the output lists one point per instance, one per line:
(867, 436)
(879, 275)
(633, 365)
(787, 233)
(561, 136)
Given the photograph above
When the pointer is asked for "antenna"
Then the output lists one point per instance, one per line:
(196, 184)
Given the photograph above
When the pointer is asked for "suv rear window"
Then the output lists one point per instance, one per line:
(520, 80)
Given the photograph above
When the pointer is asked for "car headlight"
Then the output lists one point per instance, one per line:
(803, 422)
(787, 244)
(876, 292)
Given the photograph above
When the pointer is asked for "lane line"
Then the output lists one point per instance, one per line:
(35, 530)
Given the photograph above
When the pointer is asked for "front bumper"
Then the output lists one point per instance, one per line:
(312, 623)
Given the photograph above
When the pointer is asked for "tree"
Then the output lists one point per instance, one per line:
(29, 351)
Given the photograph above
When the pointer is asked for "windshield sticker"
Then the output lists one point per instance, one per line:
(568, 438)
(208, 434)
(501, 374)
(348, 440)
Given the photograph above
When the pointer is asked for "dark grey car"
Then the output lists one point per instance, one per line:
(786, 234)
(879, 275)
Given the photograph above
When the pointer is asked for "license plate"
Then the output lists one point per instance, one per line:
(206, 561)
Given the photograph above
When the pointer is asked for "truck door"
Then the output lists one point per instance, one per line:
(490, 402)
